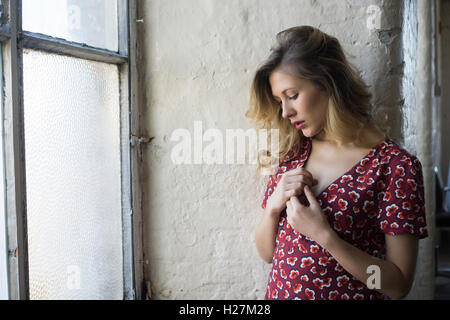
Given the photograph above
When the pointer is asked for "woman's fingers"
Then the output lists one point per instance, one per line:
(300, 182)
(295, 203)
(289, 193)
(310, 196)
(300, 175)
(294, 182)
(299, 171)
(299, 179)
(294, 189)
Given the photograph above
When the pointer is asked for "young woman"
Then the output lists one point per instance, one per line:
(343, 213)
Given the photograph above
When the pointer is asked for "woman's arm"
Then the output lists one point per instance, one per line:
(396, 272)
(291, 184)
(266, 233)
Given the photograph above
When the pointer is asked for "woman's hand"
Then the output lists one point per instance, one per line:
(309, 221)
(291, 184)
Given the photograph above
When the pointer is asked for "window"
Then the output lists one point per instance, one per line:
(67, 225)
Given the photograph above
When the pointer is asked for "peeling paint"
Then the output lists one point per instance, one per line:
(387, 36)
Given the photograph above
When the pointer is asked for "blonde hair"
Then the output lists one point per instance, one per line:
(318, 57)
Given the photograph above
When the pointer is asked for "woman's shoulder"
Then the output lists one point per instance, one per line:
(396, 151)
(393, 155)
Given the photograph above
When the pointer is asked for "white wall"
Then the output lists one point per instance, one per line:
(200, 55)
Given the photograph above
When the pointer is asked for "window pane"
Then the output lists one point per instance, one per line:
(72, 147)
(93, 22)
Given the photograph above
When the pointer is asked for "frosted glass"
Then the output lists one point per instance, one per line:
(72, 147)
(94, 22)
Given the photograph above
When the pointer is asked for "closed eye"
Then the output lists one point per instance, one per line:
(295, 96)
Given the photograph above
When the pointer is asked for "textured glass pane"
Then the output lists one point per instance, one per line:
(72, 147)
(93, 22)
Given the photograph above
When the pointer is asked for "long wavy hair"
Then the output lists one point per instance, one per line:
(319, 57)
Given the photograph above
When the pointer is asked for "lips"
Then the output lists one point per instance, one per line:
(298, 124)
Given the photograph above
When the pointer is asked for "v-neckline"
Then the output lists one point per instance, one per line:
(374, 149)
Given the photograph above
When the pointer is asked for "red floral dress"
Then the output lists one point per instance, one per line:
(382, 193)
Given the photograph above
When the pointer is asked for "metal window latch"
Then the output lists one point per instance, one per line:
(140, 140)
(13, 253)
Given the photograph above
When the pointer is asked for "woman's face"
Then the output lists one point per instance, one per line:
(300, 100)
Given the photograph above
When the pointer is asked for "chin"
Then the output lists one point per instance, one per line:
(311, 133)
(307, 133)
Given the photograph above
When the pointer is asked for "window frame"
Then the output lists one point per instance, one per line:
(13, 40)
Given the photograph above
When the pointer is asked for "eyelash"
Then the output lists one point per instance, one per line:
(290, 98)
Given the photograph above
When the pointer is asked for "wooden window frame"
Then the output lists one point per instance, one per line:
(13, 40)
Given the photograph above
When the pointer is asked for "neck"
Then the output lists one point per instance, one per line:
(324, 136)
(368, 138)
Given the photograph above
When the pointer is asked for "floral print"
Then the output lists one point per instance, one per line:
(381, 194)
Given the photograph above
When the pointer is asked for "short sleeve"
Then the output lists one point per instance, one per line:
(402, 203)
(269, 190)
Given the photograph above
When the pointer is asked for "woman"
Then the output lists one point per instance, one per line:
(345, 209)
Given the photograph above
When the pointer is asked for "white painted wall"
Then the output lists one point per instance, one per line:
(200, 55)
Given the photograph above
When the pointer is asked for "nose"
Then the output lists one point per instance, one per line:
(287, 111)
